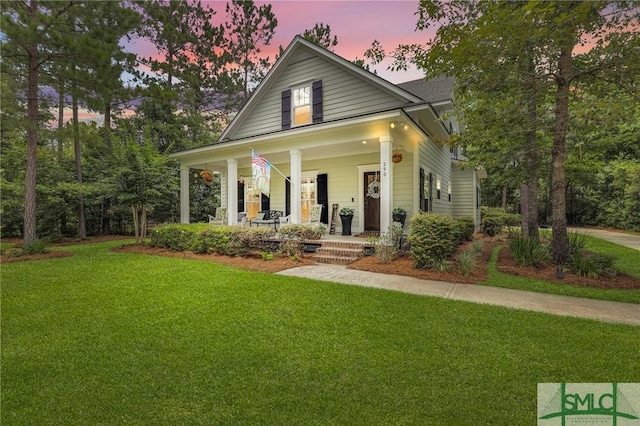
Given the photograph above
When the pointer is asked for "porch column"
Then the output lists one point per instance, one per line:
(184, 194)
(232, 191)
(386, 183)
(296, 178)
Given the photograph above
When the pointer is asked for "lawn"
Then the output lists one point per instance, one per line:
(113, 338)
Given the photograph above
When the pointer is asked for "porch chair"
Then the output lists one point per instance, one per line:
(314, 214)
(285, 220)
(220, 218)
(242, 218)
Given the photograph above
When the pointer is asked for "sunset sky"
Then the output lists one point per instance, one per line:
(356, 23)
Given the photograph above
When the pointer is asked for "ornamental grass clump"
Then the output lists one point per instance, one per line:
(592, 265)
(432, 240)
(528, 251)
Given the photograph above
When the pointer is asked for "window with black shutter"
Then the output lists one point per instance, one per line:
(302, 105)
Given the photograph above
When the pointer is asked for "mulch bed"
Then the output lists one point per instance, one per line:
(400, 266)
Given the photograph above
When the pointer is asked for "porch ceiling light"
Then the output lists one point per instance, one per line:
(392, 124)
(364, 142)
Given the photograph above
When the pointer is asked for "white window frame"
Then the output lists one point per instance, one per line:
(309, 87)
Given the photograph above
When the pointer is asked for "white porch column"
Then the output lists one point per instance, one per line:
(232, 191)
(386, 183)
(184, 194)
(296, 178)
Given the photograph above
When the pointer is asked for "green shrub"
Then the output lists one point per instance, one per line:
(432, 240)
(174, 237)
(37, 247)
(387, 245)
(591, 265)
(291, 247)
(244, 241)
(492, 226)
(463, 230)
(528, 251)
(213, 240)
(303, 231)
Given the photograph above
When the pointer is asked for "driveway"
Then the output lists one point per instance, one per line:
(627, 240)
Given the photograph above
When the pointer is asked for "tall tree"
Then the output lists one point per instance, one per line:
(31, 38)
(320, 34)
(186, 73)
(481, 38)
(249, 29)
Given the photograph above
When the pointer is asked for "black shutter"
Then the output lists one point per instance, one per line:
(423, 205)
(240, 197)
(430, 193)
(265, 203)
(286, 109)
(287, 197)
(317, 102)
(323, 197)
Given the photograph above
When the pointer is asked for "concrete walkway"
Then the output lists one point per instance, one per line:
(615, 312)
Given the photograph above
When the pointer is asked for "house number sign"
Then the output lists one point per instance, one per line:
(384, 168)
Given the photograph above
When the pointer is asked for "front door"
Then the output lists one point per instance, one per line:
(371, 198)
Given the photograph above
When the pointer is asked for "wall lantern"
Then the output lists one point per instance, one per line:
(396, 157)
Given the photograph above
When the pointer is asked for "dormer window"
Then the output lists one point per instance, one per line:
(302, 105)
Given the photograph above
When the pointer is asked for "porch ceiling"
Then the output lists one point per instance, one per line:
(324, 141)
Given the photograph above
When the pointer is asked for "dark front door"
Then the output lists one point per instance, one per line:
(371, 203)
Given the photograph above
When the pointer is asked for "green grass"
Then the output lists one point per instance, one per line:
(110, 338)
(625, 263)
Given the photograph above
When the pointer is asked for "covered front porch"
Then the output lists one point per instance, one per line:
(333, 164)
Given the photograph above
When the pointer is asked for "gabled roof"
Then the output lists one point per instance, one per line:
(281, 64)
(433, 91)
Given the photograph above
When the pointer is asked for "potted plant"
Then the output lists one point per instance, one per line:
(399, 215)
(346, 216)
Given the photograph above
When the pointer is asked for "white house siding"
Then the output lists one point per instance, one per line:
(344, 95)
(437, 160)
(464, 189)
(403, 184)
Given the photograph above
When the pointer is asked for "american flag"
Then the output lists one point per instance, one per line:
(261, 173)
(258, 160)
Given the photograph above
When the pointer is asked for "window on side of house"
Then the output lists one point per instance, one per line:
(449, 190)
(438, 186)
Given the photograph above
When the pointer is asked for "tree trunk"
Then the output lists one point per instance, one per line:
(106, 203)
(560, 240)
(530, 226)
(134, 211)
(29, 233)
(505, 189)
(82, 230)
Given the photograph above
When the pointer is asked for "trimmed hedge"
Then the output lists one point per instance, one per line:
(493, 219)
(175, 237)
(229, 240)
(463, 230)
(303, 231)
(432, 239)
